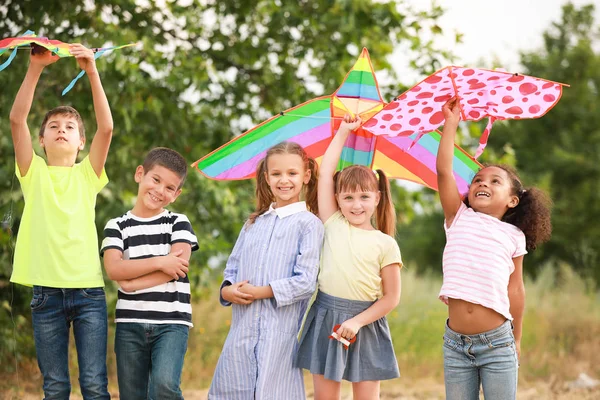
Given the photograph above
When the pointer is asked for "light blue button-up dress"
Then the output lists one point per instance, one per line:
(281, 249)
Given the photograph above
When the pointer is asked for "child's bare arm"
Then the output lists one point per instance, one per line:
(21, 107)
(326, 190)
(145, 281)
(392, 287)
(103, 136)
(179, 250)
(173, 265)
(447, 188)
(516, 297)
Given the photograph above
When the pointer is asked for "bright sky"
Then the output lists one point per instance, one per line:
(499, 28)
(491, 30)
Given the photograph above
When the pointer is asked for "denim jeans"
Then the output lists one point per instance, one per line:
(488, 359)
(150, 360)
(53, 310)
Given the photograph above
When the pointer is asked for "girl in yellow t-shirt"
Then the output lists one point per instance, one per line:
(346, 335)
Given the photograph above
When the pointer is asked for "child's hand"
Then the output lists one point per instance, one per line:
(451, 111)
(233, 294)
(350, 123)
(84, 57)
(249, 289)
(173, 265)
(349, 329)
(40, 56)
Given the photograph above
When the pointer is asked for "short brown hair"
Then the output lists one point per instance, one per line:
(65, 111)
(168, 158)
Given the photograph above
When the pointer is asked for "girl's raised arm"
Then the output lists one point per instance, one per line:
(449, 195)
(326, 188)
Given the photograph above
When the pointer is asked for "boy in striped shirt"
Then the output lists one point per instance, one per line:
(147, 252)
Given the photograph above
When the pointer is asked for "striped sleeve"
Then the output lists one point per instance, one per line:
(521, 244)
(233, 263)
(461, 209)
(183, 232)
(302, 284)
(113, 237)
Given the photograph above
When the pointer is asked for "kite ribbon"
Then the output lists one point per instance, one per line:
(14, 52)
(70, 85)
(97, 54)
(484, 137)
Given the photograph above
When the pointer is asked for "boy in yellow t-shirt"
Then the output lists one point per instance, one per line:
(57, 245)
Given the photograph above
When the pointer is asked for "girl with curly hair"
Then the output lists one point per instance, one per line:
(487, 236)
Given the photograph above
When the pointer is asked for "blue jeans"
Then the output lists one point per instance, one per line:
(488, 358)
(53, 310)
(150, 360)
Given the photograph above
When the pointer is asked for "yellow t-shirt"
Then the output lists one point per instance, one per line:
(57, 244)
(352, 260)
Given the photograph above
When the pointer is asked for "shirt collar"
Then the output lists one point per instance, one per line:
(288, 210)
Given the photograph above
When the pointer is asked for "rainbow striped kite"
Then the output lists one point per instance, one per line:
(314, 123)
(57, 47)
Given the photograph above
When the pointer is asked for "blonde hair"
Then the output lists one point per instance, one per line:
(264, 196)
(360, 178)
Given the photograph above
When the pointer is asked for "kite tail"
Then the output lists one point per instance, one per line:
(14, 52)
(70, 85)
(484, 137)
(419, 136)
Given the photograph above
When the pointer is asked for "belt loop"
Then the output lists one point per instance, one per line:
(484, 339)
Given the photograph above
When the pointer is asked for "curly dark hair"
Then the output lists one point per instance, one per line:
(532, 214)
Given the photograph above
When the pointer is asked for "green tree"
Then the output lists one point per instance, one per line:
(206, 71)
(560, 151)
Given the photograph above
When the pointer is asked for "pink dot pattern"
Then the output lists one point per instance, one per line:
(482, 93)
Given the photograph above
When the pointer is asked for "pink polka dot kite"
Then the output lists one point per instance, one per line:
(400, 137)
(481, 93)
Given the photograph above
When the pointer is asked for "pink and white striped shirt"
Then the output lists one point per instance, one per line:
(477, 260)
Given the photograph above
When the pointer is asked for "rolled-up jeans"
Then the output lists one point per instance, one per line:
(488, 359)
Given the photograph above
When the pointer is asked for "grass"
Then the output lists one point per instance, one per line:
(561, 328)
(561, 334)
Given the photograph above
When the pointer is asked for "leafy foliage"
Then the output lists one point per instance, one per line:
(207, 70)
(560, 151)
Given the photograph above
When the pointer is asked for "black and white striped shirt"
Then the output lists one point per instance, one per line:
(138, 238)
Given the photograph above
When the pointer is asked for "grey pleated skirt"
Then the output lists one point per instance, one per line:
(370, 358)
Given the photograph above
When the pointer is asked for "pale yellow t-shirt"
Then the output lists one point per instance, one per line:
(352, 260)
(57, 244)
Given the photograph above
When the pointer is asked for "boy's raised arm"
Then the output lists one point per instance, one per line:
(103, 136)
(21, 107)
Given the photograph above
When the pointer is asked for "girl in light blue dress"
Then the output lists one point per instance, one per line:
(268, 280)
